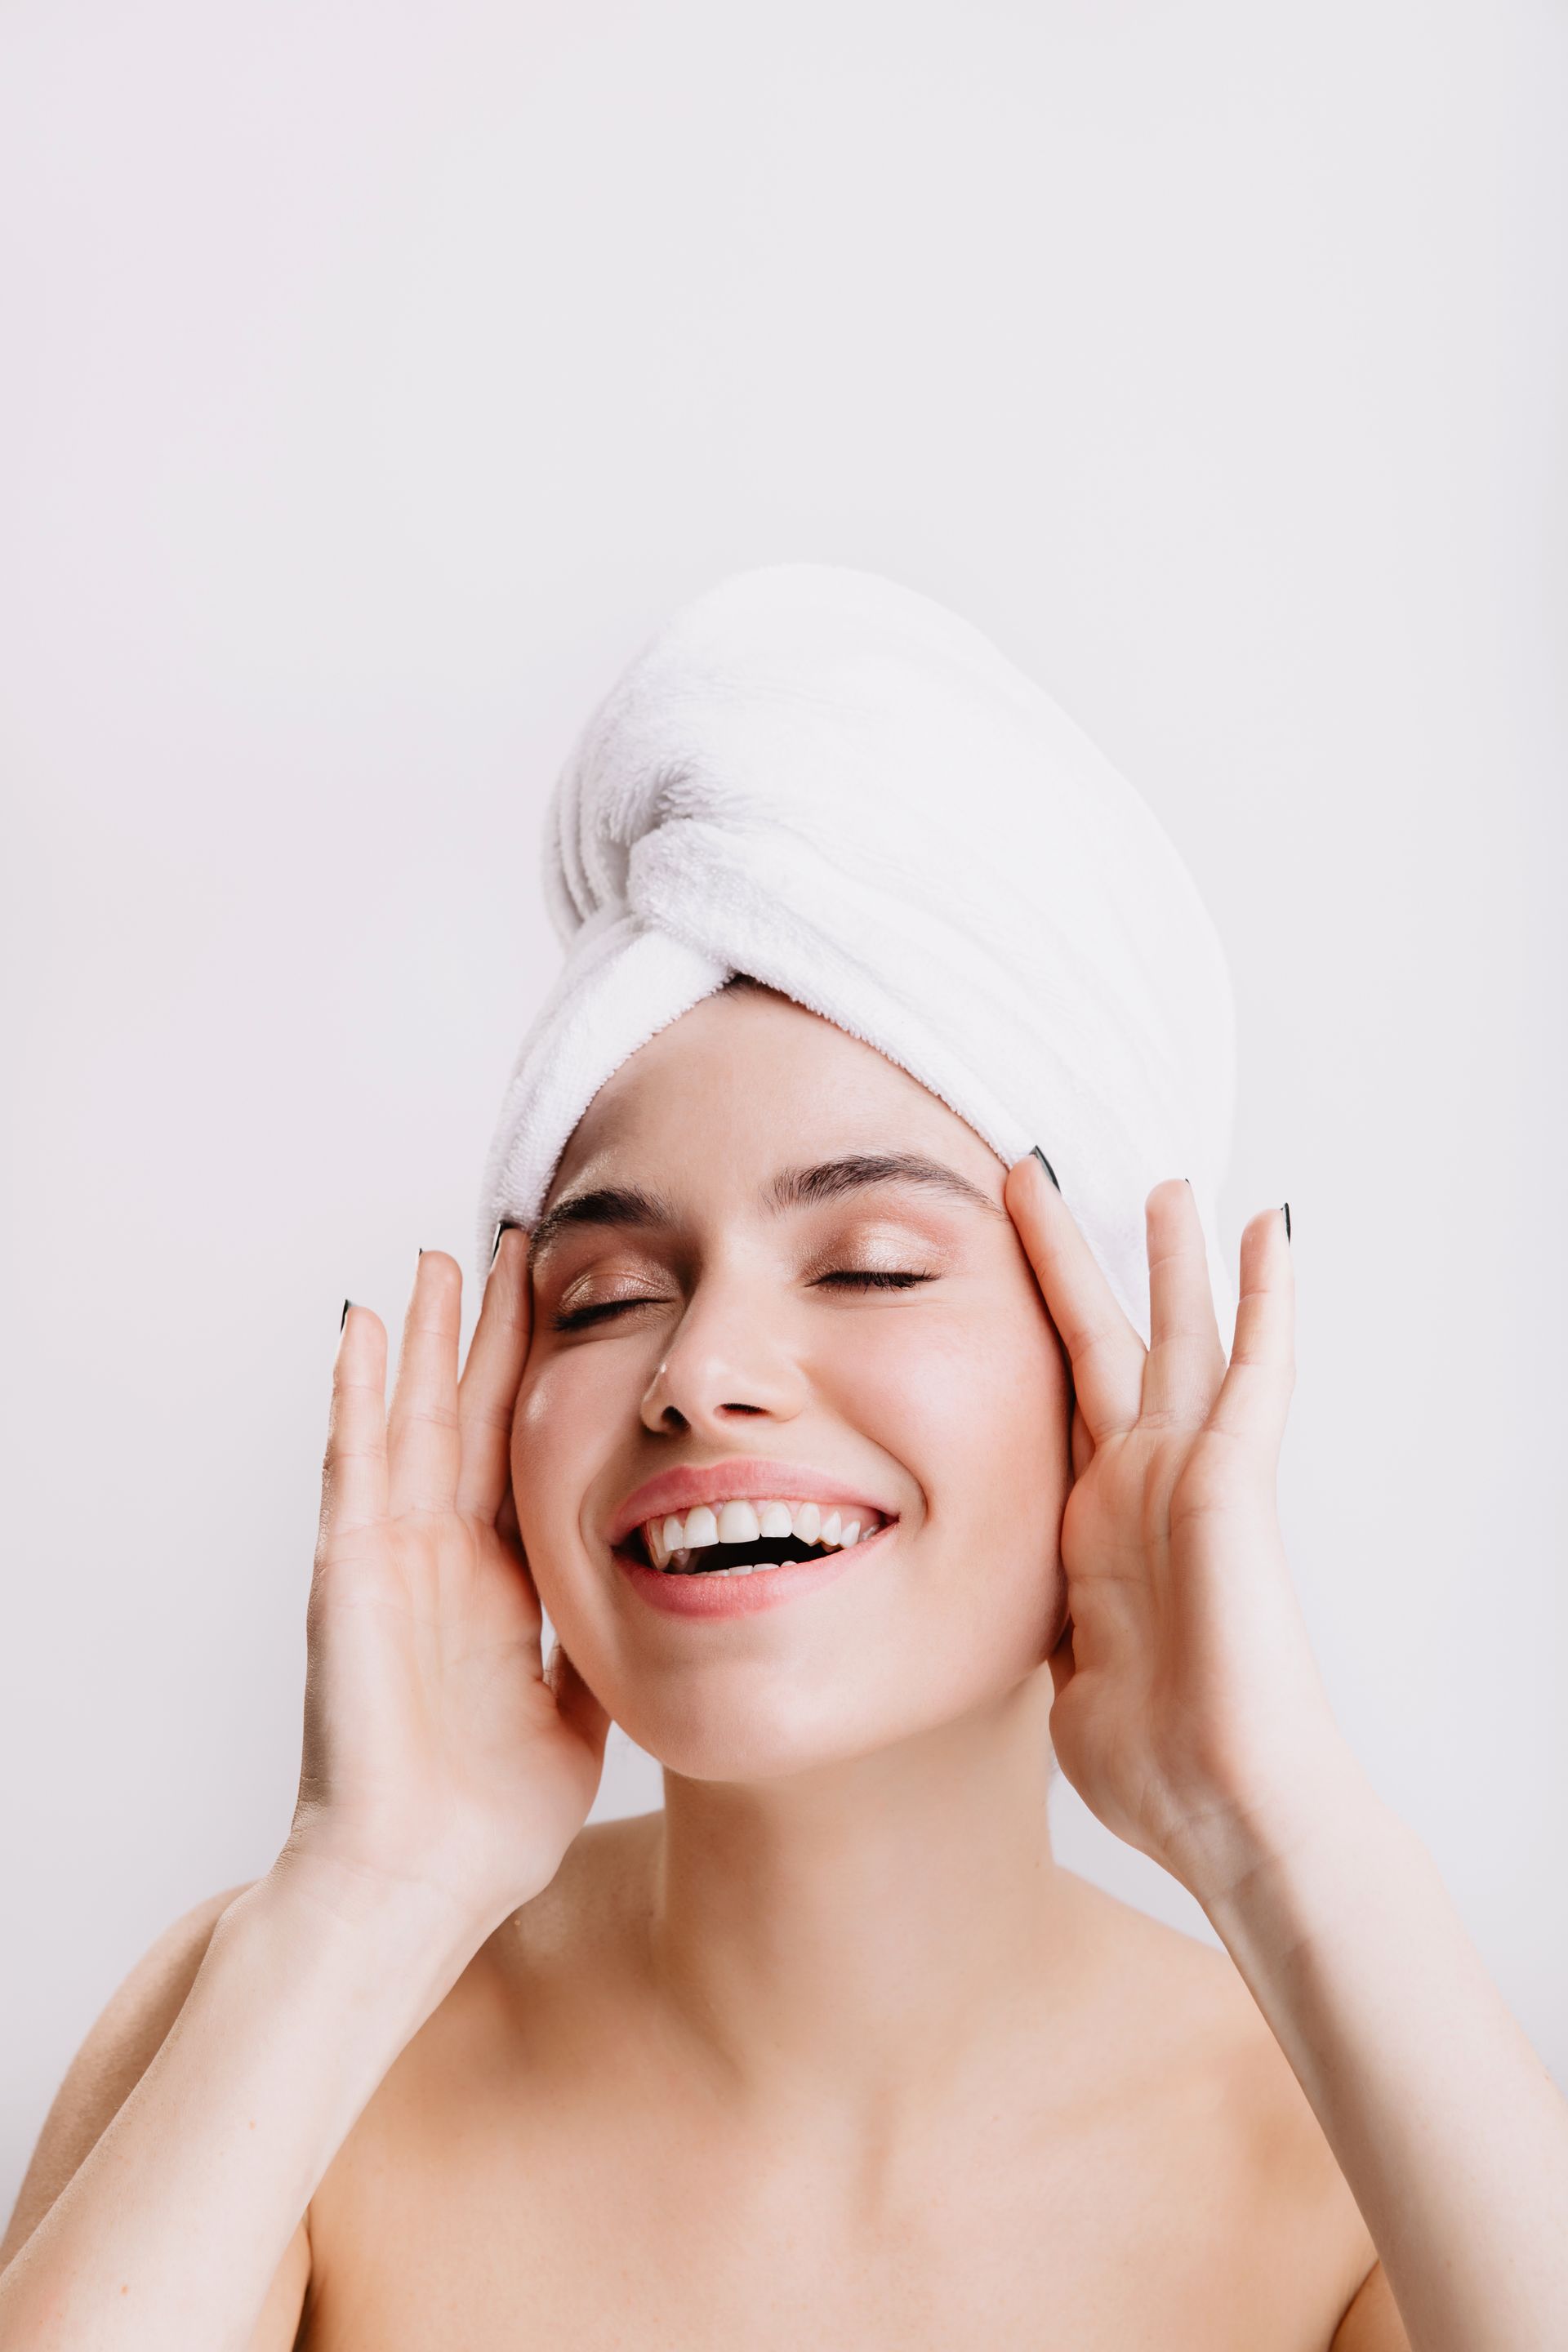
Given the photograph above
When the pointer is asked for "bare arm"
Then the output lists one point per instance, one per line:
(1189, 1717)
(117, 2053)
(443, 1774)
(1443, 2119)
(165, 2203)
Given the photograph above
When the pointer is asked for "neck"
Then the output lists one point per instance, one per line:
(868, 1929)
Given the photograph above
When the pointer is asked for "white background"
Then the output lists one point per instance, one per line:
(377, 377)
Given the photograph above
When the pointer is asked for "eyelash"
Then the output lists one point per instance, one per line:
(869, 1278)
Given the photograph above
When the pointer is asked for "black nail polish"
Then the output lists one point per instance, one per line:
(1045, 1164)
(506, 1225)
(344, 1316)
(1285, 1206)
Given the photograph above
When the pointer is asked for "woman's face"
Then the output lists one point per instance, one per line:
(716, 1323)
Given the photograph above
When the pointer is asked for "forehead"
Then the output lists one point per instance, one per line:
(746, 1083)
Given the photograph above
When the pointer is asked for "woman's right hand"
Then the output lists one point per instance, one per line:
(439, 1752)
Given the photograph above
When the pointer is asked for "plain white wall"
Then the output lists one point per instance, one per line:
(377, 377)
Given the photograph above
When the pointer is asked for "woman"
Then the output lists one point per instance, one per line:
(822, 1432)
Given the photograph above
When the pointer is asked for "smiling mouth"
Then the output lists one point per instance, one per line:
(732, 1558)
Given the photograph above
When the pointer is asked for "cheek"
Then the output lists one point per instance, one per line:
(971, 1400)
(974, 1405)
(568, 1410)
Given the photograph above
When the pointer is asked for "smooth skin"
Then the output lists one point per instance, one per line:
(830, 2048)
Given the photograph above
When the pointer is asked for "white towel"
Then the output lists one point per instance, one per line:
(829, 781)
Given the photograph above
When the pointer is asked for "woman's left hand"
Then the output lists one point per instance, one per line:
(1189, 1713)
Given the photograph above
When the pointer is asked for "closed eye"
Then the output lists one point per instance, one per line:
(876, 1280)
(579, 1315)
(867, 1278)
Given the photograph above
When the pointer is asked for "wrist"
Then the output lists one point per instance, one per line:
(396, 1946)
(1318, 1801)
(1304, 1866)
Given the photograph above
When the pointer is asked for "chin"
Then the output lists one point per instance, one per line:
(746, 1734)
(736, 1735)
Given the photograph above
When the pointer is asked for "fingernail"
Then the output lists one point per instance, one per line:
(1045, 1164)
(506, 1225)
(1285, 1206)
(344, 1316)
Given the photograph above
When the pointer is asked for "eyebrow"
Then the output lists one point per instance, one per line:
(630, 1205)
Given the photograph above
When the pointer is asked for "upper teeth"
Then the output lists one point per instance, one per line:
(744, 1522)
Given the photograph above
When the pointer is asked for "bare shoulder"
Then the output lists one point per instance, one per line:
(1190, 2023)
(563, 1939)
(534, 1983)
(1182, 2004)
(518, 2041)
(600, 1890)
(1192, 2035)
(562, 1955)
(119, 2047)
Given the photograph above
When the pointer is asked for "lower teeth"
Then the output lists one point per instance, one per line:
(682, 1563)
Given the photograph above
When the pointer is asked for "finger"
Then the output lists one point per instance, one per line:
(353, 1469)
(1255, 1396)
(1104, 1351)
(486, 1393)
(424, 1449)
(1186, 1358)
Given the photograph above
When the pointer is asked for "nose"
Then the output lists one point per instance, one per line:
(725, 1364)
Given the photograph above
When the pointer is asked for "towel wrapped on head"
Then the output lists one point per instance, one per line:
(825, 780)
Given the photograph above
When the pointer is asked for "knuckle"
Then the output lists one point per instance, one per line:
(494, 1417)
(342, 1454)
(429, 1411)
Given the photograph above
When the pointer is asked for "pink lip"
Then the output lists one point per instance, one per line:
(748, 1477)
(743, 1596)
